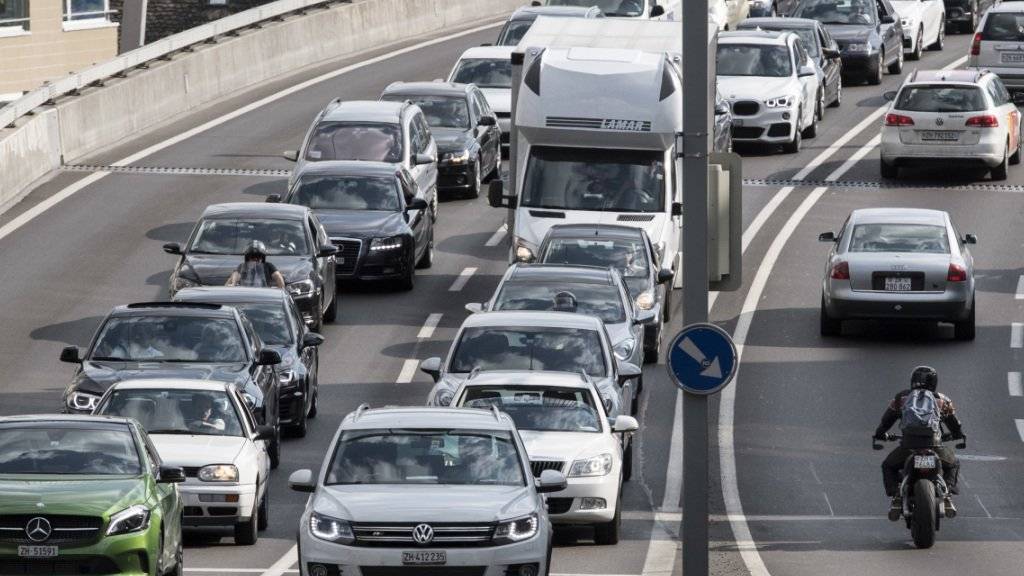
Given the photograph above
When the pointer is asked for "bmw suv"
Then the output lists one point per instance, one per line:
(426, 491)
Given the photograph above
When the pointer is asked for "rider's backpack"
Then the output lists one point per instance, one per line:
(920, 417)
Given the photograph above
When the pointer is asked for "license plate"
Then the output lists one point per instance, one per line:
(425, 558)
(1015, 57)
(37, 551)
(926, 462)
(940, 135)
(737, 122)
(897, 284)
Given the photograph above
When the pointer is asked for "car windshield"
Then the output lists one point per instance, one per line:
(232, 236)
(513, 32)
(808, 36)
(625, 255)
(160, 338)
(66, 451)
(176, 411)
(919, 238)
(859, 12)
(376, 142)
(941, 99)
(609, 7)
(539, 408)
(440, 111)
(270, 319)
(1004, 27)
(754, 60)
(594, 179)
(426, 456)
(347, 193)
(529, 348)
(603, 301)
(484, 72)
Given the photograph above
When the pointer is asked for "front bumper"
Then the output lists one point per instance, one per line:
(201, 511)
(564, 508)
(987, 152)
(769, 125)
(455, 177)
(859, 64)
(953, 305)
(127, 554)
(377, 264)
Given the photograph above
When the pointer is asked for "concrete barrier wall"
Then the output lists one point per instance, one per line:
(104, 116)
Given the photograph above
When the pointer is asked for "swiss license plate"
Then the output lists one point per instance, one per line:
(897, 284)
(425, 557)
(940, 135)
(37, 551)
(924, 462)
(1015, 57)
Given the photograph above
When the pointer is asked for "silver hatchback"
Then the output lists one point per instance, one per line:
(898, 264)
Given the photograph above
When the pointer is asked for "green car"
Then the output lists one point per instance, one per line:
(86, 495)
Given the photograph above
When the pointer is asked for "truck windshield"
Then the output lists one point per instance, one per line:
(588, 179)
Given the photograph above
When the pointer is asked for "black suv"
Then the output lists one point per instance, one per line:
(176, 340)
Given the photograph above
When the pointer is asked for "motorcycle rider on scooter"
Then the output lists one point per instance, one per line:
(910, 407)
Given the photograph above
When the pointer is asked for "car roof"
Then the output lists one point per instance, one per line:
(765, 37)
(566, 273)
(532, 12)
(427, 89)
(1007, 7)
(175, 383)
(787, 23)
(198, 309)
(230, 295)
(374, 111)
(88, 421)
(272, 210)
(489, 52)
(943, 76)
(426, 417)
(528, 378)
(545, 319)
(898, 215)
(349, 168)
(595, 231)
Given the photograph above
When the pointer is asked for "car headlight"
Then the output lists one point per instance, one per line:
(646, 300)
(857, 47)
(219, 473)
(780, 102)
(516, 530)
(392, 243)
(460, 157)
(286, 377)
(523, 253)
(331, 529)
(599, 465)
(301, 288)
(83, 401)
(624, 349)
(180, 283)
(134, 519)
(444, 398)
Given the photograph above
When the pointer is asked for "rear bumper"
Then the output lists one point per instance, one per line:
(988, 152)
(455, 178)
(949, 306)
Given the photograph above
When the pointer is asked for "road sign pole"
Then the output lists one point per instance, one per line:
(695, 277)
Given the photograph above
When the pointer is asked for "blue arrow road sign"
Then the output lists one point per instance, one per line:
(702, 359)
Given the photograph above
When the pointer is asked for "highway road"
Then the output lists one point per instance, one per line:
(798, 485)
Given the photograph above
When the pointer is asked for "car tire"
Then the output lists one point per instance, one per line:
(427, 260)
(888, 170)
(607, 534)
(940, 42)
(274, 450)
(839, 96)
(247, 532)
(829, 326)
(652, 346)
(627, 462)
(966, 330)
(875, 76)
(331, 314)
(1015, 157)
(794, 146)
(918, 45)
(474, 190)
(264, 514)
(897, 66)
(812, 130)
(999, 173)
(408, 282)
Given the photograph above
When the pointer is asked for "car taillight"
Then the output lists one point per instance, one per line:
(957, 273)
(898, 120)
(986, 121)
(976, 45)
(841, 271)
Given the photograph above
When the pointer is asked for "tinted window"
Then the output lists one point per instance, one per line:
(594, 179)
(941, 99)
(169, 339)
(754, 60)
(192, 412)
(68, 451)
(351, 141)
(270, 321)
(899, 238)
(603, 301)
(346, 193)
(224, 236)
(513, 32)
(544, 409)
(484, 72)
(1004, 26)
(528, 348)
(609, 7)
(397, 456)
(629, 257)
(838, 11)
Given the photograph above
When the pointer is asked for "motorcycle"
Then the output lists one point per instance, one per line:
(923, 490)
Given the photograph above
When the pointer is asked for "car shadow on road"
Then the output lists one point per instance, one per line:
(74, 332)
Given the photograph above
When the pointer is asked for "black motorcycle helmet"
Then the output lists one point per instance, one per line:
(924, 377)
(256, 251)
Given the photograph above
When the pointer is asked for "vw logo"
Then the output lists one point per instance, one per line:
(939, 122)
(38, 529)
(423, 534)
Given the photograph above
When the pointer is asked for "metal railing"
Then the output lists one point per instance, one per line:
(159, 49)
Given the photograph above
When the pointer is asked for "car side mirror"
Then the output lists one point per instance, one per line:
(487, 121)
(970, 239)
(721, 109)
(806, 71)
(173, 248)
(657, 10)
(474, 307)
(665, 276)
(171, 475)
(421, 159)
(431, 367)
(535, 3)
(327, 250)
(961, 445)
(827, 237)
(645, 317)
(269, 357)
(265, 432)
(274, 199)
(292, 155)
(890, 95)
(302, 481)
(887, 19)
(550, 481)
(628, 371)
(312, 339)
(677, 209)
(70, 355)
(625, 424)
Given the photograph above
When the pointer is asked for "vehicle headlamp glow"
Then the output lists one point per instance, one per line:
(331, 529)
(392, 243)
(83, 401)
(780, 102)
(133, 519)
(301, 288)
(516, 530)
(599, 465)
(219, 473)
(460, 157)
(624, 349)
(286, 377)
(646, 300)
(444, 398)
(858, 47)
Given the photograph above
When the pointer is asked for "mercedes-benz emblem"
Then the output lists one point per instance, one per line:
(939, 122)
(38, 529)
(423, 534)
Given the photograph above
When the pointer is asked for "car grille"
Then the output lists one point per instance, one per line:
(348, 251)
(446, 535)
(65, 529)
(538, 466)
(559, 505)
(423, 570)
(748, 132)
(746, 108)
(64, 565)
(955, 13)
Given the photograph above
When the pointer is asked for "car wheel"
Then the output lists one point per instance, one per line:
(408, 282)
(918, 45)
(627, 462)
(829, 326)
(299, 430)
(888, 170)
(839, 96)
(819, 111)
(427, 260)
(474, 191)
(607, 534)
(794, 145)
(999, 172)
(652, 346)
(897, 66)
(875, 77)
(331, 314)
(264, 514)
(247, 532)
(940, 42)
(965, 330)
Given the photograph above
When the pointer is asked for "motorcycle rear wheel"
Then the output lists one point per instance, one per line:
(922, 524)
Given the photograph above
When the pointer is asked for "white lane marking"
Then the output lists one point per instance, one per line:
(408, 371)
(828, 503)
(429, 326)
(498, 236)
(464, 277)
(856, 157)
(1016, 335)
(284, 563)
(987, 513)
(32, 213)
(1013, 382)
(980, 458)
(663, 546)
(1020, 428)
(1020, 288)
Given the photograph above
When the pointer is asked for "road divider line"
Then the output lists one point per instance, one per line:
(1013, 382)
(662, 545)
(408, 371)
(463, 278)
(1020, 428)
(284, 563)
(987, 513)
(1020, 288)
(1016, 335)
(497, 237)
(429, 326)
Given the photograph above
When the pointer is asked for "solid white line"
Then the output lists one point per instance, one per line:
(498, 236)
(856, 157)
(32, 213)
(987, 513)
(828, 503)
(1020, 428)
(464, 277)
(408, 371)
(662, 545)
(429, 326)
(281, 566)
(1016, 335)
(1020, 288)
(1013, 382)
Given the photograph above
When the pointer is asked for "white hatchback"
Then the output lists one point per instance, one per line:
(951, 116)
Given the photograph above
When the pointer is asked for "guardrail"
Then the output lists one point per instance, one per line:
(159, 49)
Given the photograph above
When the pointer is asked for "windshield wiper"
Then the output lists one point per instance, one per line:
(172, 431)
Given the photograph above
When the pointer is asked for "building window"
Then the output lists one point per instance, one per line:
(13, 16)
(86, 10)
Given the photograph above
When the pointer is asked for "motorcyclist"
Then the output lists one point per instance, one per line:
(255, 271)
(926, 378)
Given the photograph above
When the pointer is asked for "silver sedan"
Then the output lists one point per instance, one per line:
(898, 264)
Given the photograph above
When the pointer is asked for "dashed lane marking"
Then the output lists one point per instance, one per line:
(1013, 382)
(429, 326)
(463, 278)
(1020, 428)
(1020, 288)
(284, 563)
(497, 237)
(408, 371)
(1016, 335)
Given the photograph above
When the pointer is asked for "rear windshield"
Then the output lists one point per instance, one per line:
(941, 99)
(920, 238)
(601, 300)
(1007, 26)
(351, 141)
(530, 348)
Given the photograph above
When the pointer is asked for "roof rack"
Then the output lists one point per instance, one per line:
(495, 412)
(359, 411)
(199, 305)
(473, 373)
